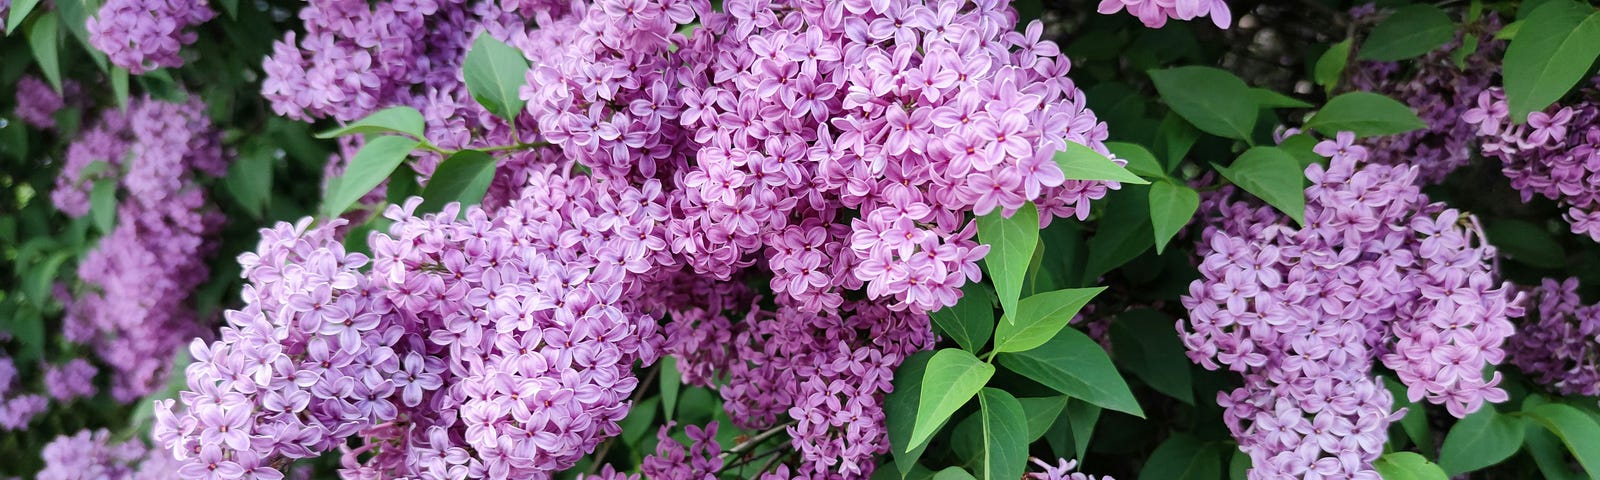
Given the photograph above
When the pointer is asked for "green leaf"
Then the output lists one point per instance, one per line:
(1212, 99)
(366, 171)
(401, 119)
(1574, 428)
(1239, 466)
(1271, 174)
(900, 411)
(952, 378)
(1011, 242)
(671, 381)
(119, 86)
(103, 204)
(639, 421)
(953, 473)
(38, 280)
(1040, 317)
(493, 72)
(1303, 148)
(1482, 439)
(1407, 466)
(464, 178)
(1330, 67)
(971, 320)
(1526, 242)
(231, 7)
(1124, 232)
(1042, 412)
(1469, 46)
(1411, 31)
(1174, 138)
(19, 11)
(1272, 99)
(1073, 364)
(249, 180)
(1147, 344)
(26, 327)
(1140, 161)
(1183, 457)
(1079, 162)
(1005, 435)
(1366, 114)
(1508, 32)
(1548, 453)
(1171, 206)
(1082, 416)
(43, 38)
(74, 18)
(1553, 50)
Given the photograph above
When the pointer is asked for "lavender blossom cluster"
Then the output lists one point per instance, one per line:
(1554, 154)
(495, 345)
(1559, 346)
(1376, 273)
(503, 342)
(1155, 13)
(145, 35)
(134, 303)
(1440, 90)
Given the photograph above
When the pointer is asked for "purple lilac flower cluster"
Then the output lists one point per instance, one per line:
(92, 454)
(1377, 272)
(1556, 154)
(911, 112)
(1558, 348)
(827, 372)
(305, 364)
(672, 460)
(732, 152)
(37, 103)
(1155, 13)
(1441, 91)
(70, 381)
(17, 408)
(1062, 470)
(144, 35)
(134, 307)
(494, 345)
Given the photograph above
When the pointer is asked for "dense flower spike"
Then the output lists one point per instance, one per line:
(135, 308)
(912, 113)
(828, 373)
(1376, 272)
(1440, 89)
(144, 35)
(1559, 347)
(1062, 470)
(37, 103)
(1551, 155)
(1155, 13)
(499, 344)
(306, 363)
(93, 455)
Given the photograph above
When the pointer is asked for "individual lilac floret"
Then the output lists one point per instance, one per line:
(144, 35)
(1561, 346)
(1377, 272)
(1155, 13)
